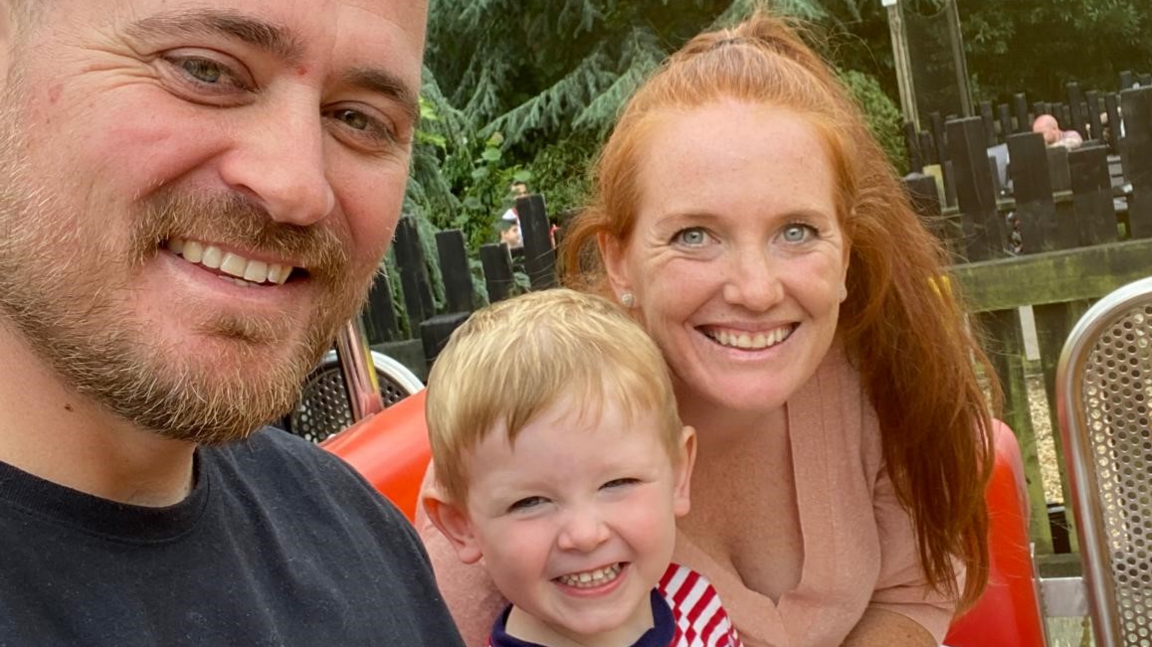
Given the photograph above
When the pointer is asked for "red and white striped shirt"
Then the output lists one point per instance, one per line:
(700, 618)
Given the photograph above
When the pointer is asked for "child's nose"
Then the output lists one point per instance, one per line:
(584, 530)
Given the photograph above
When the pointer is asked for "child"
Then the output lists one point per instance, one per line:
(562, 462)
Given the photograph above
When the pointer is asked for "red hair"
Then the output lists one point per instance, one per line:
(906, 335)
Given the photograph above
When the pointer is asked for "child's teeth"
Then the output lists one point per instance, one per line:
(590, 579)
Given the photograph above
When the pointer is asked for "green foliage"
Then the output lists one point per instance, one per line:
(883, 117)
(1038, 47)
(562, 171)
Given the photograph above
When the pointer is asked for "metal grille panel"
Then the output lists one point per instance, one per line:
(1117, 389)
(323, 408)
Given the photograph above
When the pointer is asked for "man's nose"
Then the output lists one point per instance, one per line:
(584, 530)
(279, 161)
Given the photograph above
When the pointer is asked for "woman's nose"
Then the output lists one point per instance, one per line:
(753, 281)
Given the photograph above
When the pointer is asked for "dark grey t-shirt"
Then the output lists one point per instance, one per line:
(279, 544)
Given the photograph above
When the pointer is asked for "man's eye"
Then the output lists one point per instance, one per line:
(207, 76)
(352, 118)
(692, 236)
(365, 130)
(203, 70)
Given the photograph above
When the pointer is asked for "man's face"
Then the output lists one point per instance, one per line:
(194, 195)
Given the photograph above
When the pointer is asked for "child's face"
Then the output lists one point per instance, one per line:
(577, 522)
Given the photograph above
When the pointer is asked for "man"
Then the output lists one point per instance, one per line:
(194, 195)
(1053, 136)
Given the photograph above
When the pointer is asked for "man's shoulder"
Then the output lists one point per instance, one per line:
(272, 463)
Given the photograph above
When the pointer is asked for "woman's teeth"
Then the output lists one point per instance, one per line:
(243, 271)
(591, 579)
(756, 341)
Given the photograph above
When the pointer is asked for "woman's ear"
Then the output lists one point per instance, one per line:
(682, 472)
(453, 522)
(612, 250)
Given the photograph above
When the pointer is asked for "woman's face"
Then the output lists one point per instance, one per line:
(737, 258)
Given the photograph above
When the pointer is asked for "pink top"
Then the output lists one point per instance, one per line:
(858, 542)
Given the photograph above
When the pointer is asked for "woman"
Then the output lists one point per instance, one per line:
(748, 219)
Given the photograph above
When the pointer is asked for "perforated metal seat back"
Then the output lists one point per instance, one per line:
(323, 409)
(1104, 387)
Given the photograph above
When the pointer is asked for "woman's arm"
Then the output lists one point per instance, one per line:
(882, 628)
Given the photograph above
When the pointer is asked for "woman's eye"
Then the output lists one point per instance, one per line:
(526, 503)
(693, 236)
(618, 483)
(797, 233)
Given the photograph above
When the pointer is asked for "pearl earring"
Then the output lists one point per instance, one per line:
(628, 300)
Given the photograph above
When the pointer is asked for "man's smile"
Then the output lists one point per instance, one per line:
(240, 270)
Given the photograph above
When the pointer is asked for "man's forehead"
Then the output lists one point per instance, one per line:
(373, 44)
(326, 24)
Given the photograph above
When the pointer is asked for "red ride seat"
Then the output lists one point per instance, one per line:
(1008, 614)
(390, 450)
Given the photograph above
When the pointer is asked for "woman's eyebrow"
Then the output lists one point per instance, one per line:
(274, 39)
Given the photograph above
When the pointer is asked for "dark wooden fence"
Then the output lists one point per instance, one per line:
(1045, 227)
(1061, 229)
(428, 330)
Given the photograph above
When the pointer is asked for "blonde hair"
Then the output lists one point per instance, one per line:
(908, 341)
(514, 360)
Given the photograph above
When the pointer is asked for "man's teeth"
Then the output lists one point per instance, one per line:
(755, 341)
(229, 263)
(591, 579)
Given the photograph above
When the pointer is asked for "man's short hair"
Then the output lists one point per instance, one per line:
(512, 361)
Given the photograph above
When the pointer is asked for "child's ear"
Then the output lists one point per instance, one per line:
(452, 521)
(682, 472)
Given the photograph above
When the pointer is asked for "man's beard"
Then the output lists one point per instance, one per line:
(62, 281)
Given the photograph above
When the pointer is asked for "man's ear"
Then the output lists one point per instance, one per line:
(612, 250)
(453, 522)
(682, 472)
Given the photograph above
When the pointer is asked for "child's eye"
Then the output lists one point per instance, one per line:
(527, 503)
(619, 483)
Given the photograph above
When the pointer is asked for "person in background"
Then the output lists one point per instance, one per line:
(1053, 135)
(745, 216)
(565, 475)
(509, 228)
(194, 198)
